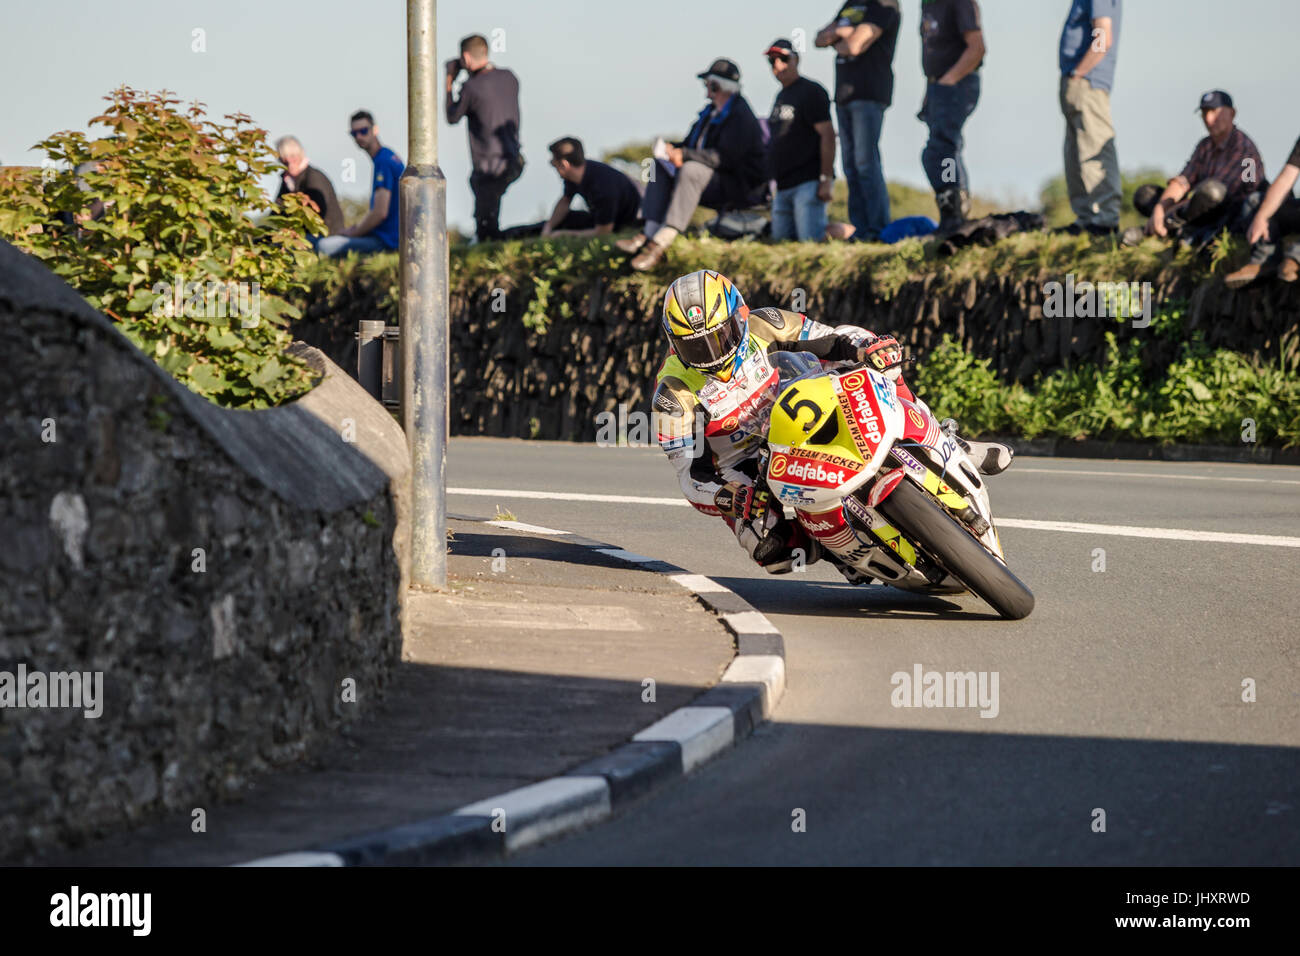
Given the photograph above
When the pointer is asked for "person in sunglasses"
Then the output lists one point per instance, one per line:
(720, 163)
(802, 150)
(378, 231)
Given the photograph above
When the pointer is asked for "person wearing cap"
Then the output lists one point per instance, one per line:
(1215, 188)
(802, 149)
(1278, 215)
(863, 36)
(720, 163)
(1089, 49)
(952, 52)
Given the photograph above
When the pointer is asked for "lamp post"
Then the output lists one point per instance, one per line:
(422, 305)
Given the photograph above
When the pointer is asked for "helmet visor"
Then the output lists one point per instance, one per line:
(709, 350)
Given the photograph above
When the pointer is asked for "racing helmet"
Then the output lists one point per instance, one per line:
(707, 322)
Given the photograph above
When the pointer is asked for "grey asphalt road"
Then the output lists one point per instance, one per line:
(1120, 735)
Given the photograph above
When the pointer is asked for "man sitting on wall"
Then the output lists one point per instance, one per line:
(1218, 187)
(721, 162)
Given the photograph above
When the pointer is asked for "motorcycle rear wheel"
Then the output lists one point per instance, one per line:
(924, 522)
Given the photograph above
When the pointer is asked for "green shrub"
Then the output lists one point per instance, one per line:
(1206, 396)
(176, 259)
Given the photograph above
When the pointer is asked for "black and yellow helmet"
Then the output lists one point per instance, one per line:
(706, 321)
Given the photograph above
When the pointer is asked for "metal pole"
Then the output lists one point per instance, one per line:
(422, 307)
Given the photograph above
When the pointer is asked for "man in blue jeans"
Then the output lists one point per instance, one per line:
(864, 36)
(378, 230)
(801, 150)
(952, 51)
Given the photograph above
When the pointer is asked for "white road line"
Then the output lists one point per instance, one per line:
(1170, 534)
(1163, 476)
(631, 556)
(1074, 527)
(698, 583)
(523, 526)
(305, 858)
(568, 496)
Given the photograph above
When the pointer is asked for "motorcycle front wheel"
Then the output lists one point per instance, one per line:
(925, 523)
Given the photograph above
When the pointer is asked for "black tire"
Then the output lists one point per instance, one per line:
(922, 520)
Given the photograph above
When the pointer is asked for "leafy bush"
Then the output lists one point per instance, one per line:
(1203, 397)
(157, 230)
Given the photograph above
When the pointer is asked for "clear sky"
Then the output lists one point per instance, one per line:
(610, 71)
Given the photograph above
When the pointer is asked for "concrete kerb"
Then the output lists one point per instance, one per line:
(748, 693)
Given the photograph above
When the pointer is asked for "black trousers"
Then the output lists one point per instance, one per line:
(488, 190)
(1285, 221)
(1203, 212)
(573, 219)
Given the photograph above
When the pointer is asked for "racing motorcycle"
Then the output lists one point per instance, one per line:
(882, 486)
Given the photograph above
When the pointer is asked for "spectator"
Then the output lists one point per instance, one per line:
(1278, 215)
(1216, 188)
(864, 36)
(379, 230)
(300, 176)
(489, 97)
(1089, 49)
(801, 150)
(952, 51)
(720, 163)
(612, 199)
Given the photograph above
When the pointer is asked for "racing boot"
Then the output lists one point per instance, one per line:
(990, 457)
(778, 544)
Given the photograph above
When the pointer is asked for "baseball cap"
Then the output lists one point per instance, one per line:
(780, 47)
(1214, 99)
(722, 68)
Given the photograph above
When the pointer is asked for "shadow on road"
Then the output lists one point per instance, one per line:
(793, 594)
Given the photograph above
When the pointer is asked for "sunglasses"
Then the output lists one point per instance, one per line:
(363, 131)
(713, 87)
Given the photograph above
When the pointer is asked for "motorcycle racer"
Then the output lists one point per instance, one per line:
(715, 392)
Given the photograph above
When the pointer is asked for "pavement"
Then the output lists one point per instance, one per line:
(1166, 593)
(536, 660)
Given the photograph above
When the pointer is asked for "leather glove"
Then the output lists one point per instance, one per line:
(885, 355)
(735, 500)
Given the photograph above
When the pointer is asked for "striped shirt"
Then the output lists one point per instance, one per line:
(1237, 164)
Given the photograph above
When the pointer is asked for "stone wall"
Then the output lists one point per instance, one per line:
(510, 381)
(228, 573)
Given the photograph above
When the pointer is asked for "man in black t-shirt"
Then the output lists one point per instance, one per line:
(801, 150)
(864, 35)
(952, 51)
(1278, 215)
(612, 199)
(490, 100)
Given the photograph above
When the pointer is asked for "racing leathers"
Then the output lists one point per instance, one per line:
(713, 430)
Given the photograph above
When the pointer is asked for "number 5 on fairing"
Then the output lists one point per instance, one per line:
(793, 410)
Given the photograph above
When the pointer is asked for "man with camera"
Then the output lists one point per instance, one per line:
(489, 97)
